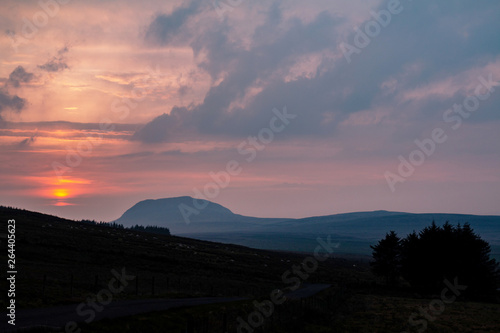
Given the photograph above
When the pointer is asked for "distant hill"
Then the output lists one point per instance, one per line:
(355, 231)
(211, 217)
(374, 225)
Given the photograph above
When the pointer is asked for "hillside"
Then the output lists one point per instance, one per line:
(374, 225)
(202, 216)
(60, 261)
(355, 231)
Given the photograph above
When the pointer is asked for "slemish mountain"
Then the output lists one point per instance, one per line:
(354, 231)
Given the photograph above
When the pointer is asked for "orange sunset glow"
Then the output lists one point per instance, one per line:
(60, 193)
(250, 166)
(110, 103)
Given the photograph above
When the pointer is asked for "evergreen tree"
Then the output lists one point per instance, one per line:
(426, 259)
(387, 258)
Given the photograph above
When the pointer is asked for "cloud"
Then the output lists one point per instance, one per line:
(12, 102)
(67, 125)
(216, 115)
(28, 141)
(166, 127)
(252, 77)
(183, 90)
(57, 63)
(18, 76)
(164, 27)
(53, 66)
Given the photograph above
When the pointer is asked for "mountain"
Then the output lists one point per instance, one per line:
(374, 225)
(187, 215)
(354, 231)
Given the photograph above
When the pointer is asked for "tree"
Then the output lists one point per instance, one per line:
(387, 258)
(437, 254)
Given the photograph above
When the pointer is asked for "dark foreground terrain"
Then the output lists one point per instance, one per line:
(66, 263)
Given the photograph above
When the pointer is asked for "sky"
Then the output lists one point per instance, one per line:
(270, 108)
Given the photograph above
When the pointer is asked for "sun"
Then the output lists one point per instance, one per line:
(60, 193)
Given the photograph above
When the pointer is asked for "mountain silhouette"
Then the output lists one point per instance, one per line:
(356, 231)
(202, 216)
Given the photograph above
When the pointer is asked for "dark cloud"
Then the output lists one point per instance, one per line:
(166, 127)
(53, 66)
(183, 90)
(442, 38)
(135, 155)
(18, 76)
(245, 67)
(57, 63)
(165, 27)
(12, 102)
(67, 125)
(28, 141)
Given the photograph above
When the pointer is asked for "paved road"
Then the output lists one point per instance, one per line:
(307, 290)
(58, 316)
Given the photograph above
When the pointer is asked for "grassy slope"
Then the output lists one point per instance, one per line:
(58, 248)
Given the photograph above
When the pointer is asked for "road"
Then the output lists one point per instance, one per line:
(59, 316)
(307, 290)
